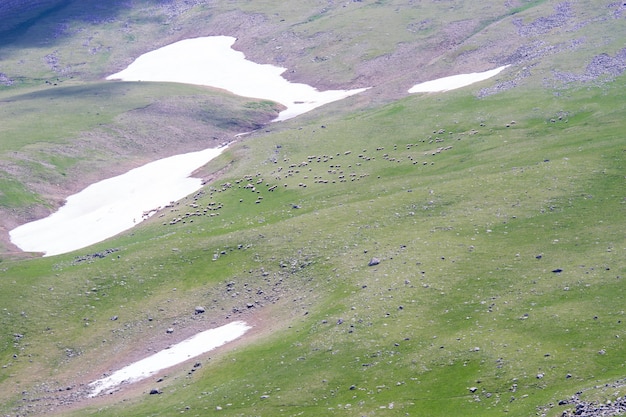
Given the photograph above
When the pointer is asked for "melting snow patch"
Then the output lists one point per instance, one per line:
(454, 81)
(187, 349)
(111, 206)
(211, 61)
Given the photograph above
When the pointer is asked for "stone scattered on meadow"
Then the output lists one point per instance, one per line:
(373, 262)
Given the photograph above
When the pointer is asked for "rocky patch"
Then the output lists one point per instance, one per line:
(603, 66)
(578, 407)
(93, 256)
(562, 15)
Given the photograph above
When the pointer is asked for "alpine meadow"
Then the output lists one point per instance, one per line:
(440, 253)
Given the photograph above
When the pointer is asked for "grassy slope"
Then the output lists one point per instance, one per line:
(466, 238)
(62, 124)
(458, 234)
(85, 127)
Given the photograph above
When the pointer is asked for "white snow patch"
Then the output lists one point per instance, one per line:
(454, 81)
(111, 206)
(210, 61)
(187, 349)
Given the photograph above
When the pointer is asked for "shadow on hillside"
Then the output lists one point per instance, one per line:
(104, 89)
(49, 17)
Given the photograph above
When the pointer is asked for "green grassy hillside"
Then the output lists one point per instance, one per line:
(496, 213)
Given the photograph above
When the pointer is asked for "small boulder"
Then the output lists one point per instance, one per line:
(199, 310)
(373, 262)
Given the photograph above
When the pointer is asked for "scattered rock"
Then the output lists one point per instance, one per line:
(593, 409)
(155, 391)
(563, 13)
(373, 262)
(93, 256)
(199, 310)
(4, 80)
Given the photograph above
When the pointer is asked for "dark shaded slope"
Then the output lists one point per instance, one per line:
(17, 16)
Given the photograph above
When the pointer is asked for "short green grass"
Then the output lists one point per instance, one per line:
(63, 134)
(71, 110)
(470, 205)
(464, 295)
